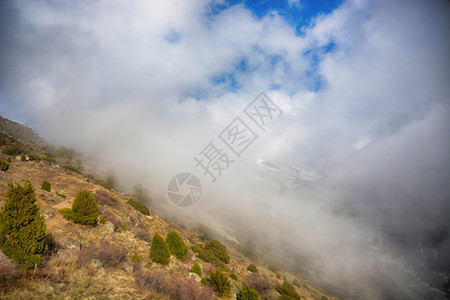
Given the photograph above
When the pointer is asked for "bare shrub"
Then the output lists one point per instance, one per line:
(144, 235)
(177, 289)
(85, 255)
(185, 289)
(109, 254)
(152, 281)
(113, 219)
(104, 198)
(260, 283)
(9, 274)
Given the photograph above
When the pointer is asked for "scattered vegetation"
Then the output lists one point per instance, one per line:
(197, 269)
(72, 168)
(46, 186)
(176, 245)
(14, 150)
(22, 228)
(287, 291)
(4, 166)
(84, 209)
(220, 283)
(233, 276)
(247, 293)
(139, 206)
(123, 228)
(175, 289)
(252, 268)
(212, 252)
(159, 252)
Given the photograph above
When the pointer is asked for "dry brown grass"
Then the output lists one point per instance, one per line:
(67, 272)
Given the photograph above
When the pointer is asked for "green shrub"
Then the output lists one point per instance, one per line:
(14, 150)
(176, 245)
(247, 293)
(287, 291)
(323, 298)
(84, 209)
(296, 283)
(72, 168)
(212, 252)
(34, 156)
(252, 268)
(219, 250)
(22, 228)
(139, 206)
(204, 281)
(103, 183)
(9, 159)
(136, 258)
(220, 283)
(46, 186)
(61, 195)
(23, 157)
(233, 276)
(4, 166)
(103, 219)
(123, 228)
(159, 252)
(197, 269)
(278, 276)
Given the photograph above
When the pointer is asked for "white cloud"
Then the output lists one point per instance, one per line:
(103, 77)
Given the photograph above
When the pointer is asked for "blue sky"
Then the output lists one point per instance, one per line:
(296, 13)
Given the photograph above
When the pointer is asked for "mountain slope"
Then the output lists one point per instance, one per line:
(19, 132)
(95, 262)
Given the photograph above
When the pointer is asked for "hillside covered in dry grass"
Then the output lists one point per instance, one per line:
(111, 260)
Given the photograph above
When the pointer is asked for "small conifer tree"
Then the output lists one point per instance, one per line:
(46, 186)
(220, 283)
(22, 228)
(197, 269)
(159, 252)
(84, 209)
(247, 293)
(136, 258)
(176, 245)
